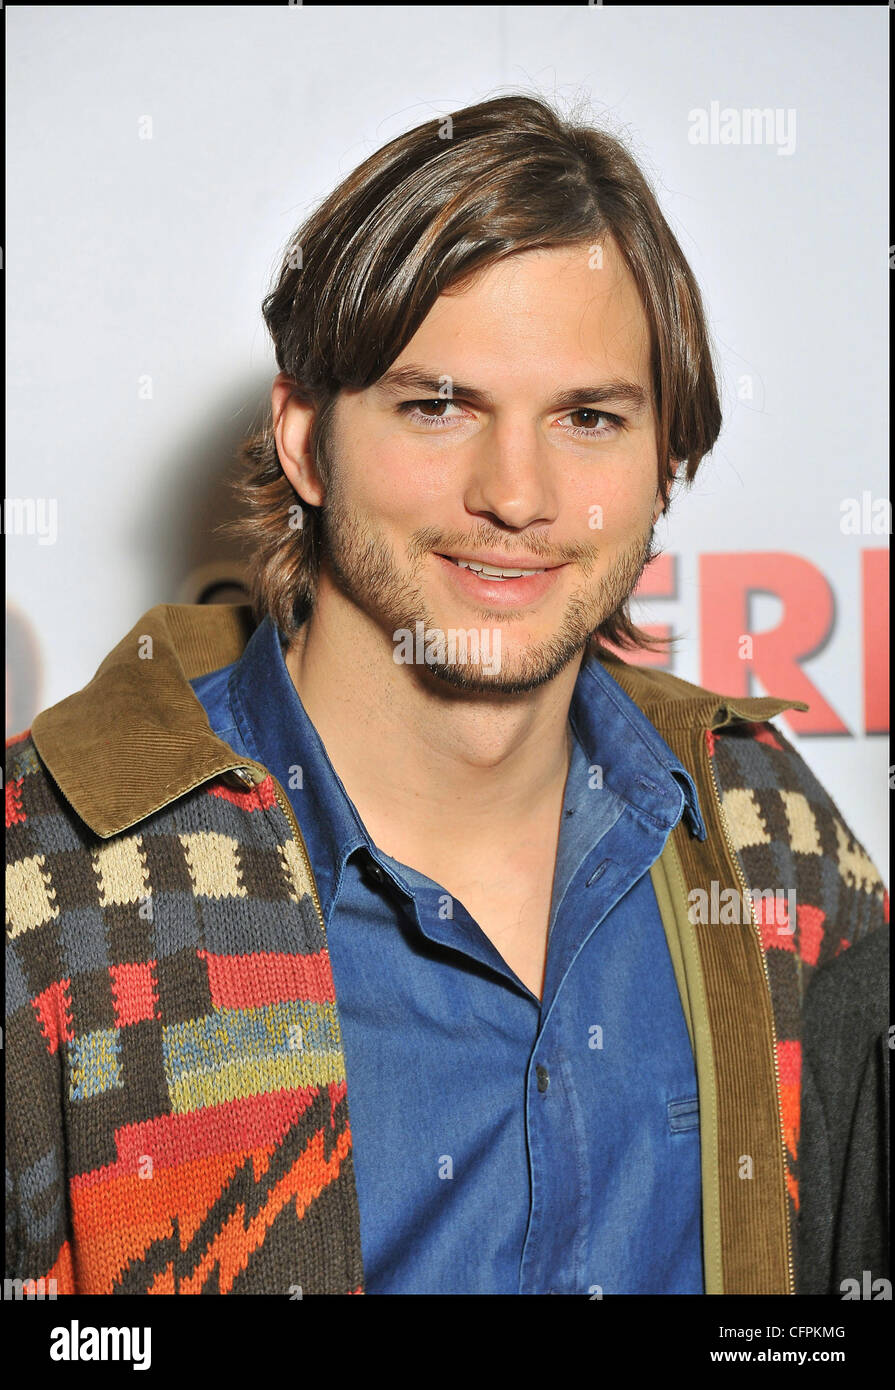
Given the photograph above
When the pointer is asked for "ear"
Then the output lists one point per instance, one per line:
(673, 466)
(292, 421)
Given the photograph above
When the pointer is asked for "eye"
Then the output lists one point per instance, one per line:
(412, 411)
(616, 424)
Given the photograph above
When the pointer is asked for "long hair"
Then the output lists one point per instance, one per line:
(424, 214)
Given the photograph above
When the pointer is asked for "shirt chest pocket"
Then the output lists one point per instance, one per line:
(683, 1114)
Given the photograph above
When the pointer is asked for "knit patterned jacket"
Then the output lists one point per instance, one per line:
(177, 1107)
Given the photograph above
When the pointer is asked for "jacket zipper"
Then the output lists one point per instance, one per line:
(286, 808)
(747, 897)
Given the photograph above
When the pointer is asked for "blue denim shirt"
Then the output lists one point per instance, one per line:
(504, 1144)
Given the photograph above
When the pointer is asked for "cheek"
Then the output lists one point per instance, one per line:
(375, 476)
(405, 483)
(608, 510)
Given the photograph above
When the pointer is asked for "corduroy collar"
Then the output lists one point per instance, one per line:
(136, 737)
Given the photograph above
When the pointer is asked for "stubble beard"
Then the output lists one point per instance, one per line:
(363, 567)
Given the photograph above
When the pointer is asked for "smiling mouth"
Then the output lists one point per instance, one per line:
(495, 572)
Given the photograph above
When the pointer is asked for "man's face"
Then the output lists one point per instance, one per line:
(504, 453)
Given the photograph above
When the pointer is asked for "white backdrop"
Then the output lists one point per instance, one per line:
(137, 265)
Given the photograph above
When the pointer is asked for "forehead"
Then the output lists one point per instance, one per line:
(562, 309)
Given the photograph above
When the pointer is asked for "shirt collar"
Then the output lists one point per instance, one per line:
(634, 761)
(610, 727)
(278, 733)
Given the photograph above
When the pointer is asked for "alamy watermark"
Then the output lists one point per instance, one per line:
(752, 125)
(39, 1289)
(31, 516)
(726, 907)
(459, 645)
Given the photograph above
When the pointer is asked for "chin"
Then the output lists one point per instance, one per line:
(518, 672)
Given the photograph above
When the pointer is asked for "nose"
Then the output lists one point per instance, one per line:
(509, 480)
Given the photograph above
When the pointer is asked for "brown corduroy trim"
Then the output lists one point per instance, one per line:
(751, 1170)
(135, 737)
(671, 897)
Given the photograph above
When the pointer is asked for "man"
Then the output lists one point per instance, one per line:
(397, 936)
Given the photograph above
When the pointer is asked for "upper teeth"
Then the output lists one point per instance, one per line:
(494, 571)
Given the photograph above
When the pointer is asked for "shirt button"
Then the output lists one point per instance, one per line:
(543, 1076)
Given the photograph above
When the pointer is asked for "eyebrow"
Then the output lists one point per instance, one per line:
(411, 377)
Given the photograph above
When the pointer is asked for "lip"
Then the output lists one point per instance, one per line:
(506, 562)
(499, 593)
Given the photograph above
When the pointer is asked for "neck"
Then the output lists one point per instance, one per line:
(424, 762)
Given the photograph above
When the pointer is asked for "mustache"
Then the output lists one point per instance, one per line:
(431, 539)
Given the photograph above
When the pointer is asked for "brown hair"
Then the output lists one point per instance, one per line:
(421, 215)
